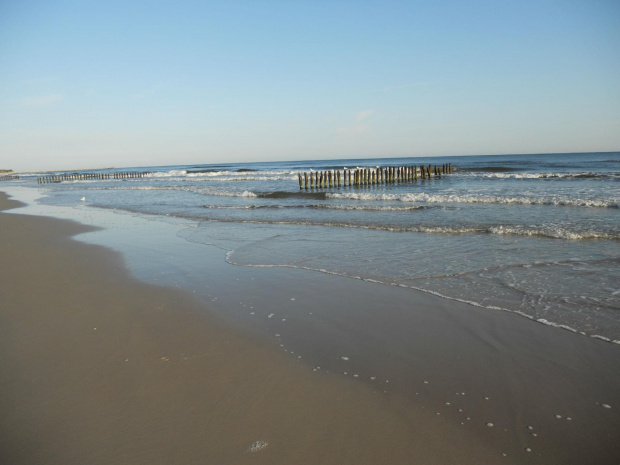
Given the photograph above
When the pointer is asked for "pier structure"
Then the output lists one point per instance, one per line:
(91, 176)
(370, 176)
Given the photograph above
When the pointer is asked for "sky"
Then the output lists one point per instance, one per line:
(87, 84)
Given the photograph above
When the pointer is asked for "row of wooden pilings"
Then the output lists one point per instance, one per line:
(9, 177)
(91, 176)
(371, 176)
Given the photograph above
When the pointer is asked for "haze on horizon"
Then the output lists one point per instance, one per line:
(94, 84)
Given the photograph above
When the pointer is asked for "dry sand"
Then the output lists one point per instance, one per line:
(97, 367)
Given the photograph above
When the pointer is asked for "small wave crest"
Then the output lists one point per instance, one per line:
(477, 198)
(320, 206)
(240, 174)
(517, 230)
(583, 175)
(553, 232)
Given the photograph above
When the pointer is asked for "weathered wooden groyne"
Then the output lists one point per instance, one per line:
(91, 176)
(370, 176)
(9, 177)
(131, 174)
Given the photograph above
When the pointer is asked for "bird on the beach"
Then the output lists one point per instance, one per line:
(83, 199)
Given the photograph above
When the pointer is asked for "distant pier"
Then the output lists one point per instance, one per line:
(9, 177)
(371, 176)
(91, 176)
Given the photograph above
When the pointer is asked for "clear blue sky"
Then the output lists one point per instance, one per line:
(125, 83)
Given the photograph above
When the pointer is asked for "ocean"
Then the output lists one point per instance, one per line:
(537, 235)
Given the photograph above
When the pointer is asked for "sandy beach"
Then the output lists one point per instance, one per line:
(98, 367)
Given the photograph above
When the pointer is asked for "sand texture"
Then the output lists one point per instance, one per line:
(99, 368)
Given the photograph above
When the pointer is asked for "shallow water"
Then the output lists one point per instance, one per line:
(533, 234)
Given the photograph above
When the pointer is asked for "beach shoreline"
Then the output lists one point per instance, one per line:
(99, 368)
(470, 387)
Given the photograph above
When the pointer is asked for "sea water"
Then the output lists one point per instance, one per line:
(537, 235)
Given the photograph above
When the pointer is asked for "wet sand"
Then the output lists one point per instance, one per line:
(100, 368)
(97, 367)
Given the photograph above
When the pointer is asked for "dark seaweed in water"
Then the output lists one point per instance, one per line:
(200, 171)
(293, 195)
(489, 169)
(245, 170)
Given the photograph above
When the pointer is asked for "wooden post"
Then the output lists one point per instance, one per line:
(300, 185)
(306, 180)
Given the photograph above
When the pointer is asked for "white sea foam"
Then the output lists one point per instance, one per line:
(571, 175)
(556, 232)
(166, 174)
(478, 198)
(222, 176)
